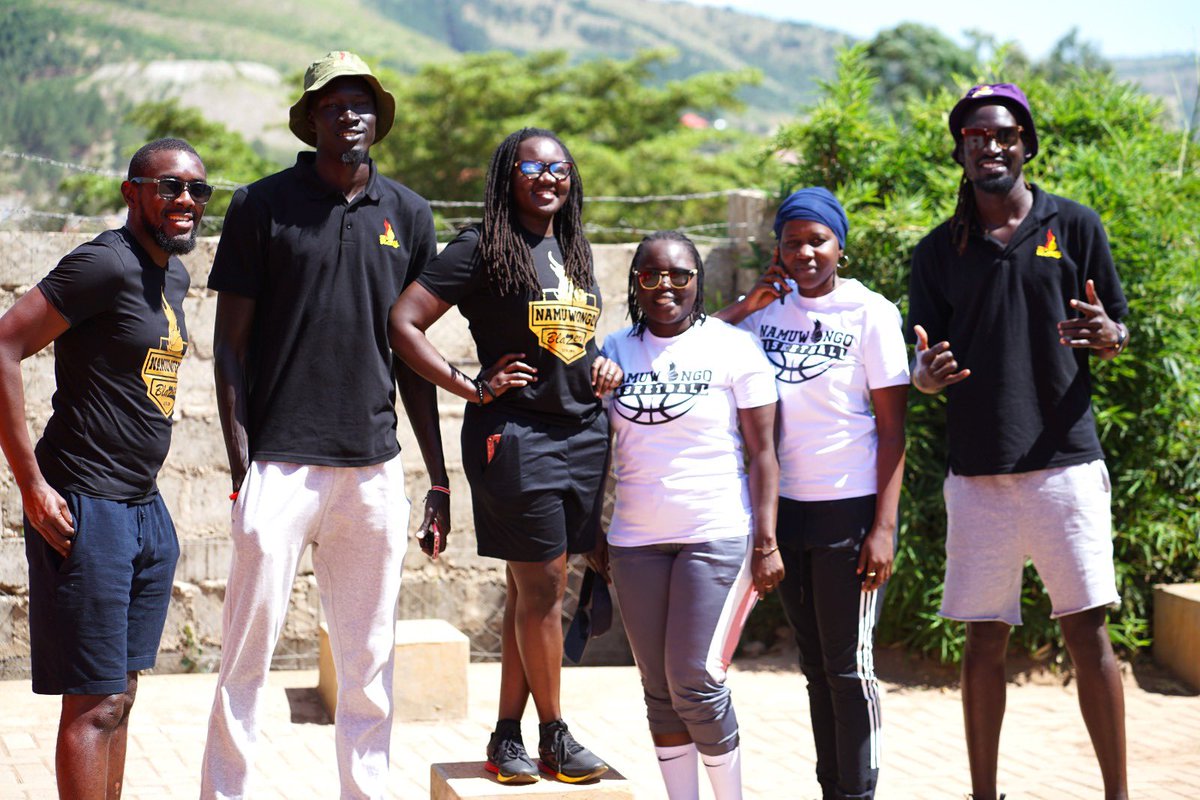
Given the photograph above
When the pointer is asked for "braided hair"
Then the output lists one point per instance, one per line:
(964, 215)
(505, 254)
(636, 316)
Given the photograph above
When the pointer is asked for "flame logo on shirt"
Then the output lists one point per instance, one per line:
(564, 320)
(160, 370)
(388, 237)
(1050, 248)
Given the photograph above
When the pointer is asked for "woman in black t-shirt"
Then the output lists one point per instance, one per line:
(534, 438)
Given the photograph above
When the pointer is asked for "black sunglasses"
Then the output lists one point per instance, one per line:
(170, 188)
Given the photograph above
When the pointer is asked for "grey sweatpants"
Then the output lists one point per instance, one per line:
(356, 519)
(679, 604)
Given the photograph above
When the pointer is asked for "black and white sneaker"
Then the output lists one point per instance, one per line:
(564, 758)
(506, 756)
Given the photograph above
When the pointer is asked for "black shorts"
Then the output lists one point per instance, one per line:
(99, 613)
(537, 489)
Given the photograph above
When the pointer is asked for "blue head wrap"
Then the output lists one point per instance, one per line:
(815, 204)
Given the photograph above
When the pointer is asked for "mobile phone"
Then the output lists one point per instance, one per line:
(431, 542)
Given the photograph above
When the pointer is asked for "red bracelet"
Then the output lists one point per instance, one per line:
(441, 489)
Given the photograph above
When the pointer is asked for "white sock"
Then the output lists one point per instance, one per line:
(725, 774)
(679, 772)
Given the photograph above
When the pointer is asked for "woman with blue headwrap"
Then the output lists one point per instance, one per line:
(842, 372)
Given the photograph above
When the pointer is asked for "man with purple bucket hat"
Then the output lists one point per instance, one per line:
(1022, 284)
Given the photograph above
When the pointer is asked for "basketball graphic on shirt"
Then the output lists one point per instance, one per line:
(655, 397)
(799, 355)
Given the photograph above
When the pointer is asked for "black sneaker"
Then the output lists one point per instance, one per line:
(564, 758)
(506, 756)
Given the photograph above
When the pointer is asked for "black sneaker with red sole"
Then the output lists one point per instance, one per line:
(506, 756)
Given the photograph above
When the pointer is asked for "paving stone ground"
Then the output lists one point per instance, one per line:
(1045, 752)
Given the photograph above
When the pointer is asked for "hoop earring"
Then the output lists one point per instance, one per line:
(844, 261)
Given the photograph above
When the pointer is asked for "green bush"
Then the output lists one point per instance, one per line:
(1105, 145)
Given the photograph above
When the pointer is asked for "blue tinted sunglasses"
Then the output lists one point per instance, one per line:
(559, 170)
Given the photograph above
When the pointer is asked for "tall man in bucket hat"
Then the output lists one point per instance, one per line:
(1021, 284)
(309, 264)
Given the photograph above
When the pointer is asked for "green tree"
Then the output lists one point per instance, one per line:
(1069, 54)
(1104, 144)
(43, 109)
(913, 60)
(624, 132)
(227, 157)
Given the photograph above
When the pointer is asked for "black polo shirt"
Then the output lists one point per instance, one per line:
(323, 274)
(1027, 404)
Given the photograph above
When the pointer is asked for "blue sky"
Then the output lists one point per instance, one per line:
(1120, 28)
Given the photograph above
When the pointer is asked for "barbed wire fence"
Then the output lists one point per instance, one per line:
(713, 233)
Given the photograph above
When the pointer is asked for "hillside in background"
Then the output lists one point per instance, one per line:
(791, 56)
(80, 65)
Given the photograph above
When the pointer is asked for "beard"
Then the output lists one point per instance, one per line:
(996, 184)
(354, 157)
(175, 246)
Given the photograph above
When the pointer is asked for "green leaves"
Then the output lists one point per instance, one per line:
(623, 131)
(1104, 144)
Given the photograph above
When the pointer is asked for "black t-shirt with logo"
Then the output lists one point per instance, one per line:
(1027, 404)
(555, 328)
(116, 368)
(323, 273)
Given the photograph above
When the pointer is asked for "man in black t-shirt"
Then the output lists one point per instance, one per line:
(1021, 283)
(308, 266)
(99, 540)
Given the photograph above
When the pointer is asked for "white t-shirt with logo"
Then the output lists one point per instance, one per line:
(677, 449)
(828, 353)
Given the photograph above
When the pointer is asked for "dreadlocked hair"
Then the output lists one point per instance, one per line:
(964, 213)
(636, 316)
(503, 251)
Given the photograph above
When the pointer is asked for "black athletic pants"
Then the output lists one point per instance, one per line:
(834, 623)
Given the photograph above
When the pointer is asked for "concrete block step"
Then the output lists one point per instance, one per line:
(429, 681)
(1177, 630)
(469, 779)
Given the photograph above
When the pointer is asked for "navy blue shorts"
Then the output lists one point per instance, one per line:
(537, 489)
(99, 613)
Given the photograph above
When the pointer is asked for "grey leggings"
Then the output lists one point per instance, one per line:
(677, 602)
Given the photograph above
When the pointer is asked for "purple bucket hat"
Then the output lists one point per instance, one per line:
(1008, 95)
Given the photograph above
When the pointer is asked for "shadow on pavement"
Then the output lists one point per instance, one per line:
(306, 707)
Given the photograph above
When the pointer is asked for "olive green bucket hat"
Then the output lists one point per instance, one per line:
(340, 64)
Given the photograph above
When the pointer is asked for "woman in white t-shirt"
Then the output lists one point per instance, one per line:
(842, 370)
(693, 531)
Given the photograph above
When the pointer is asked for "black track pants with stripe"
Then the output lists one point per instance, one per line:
(834, 623)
